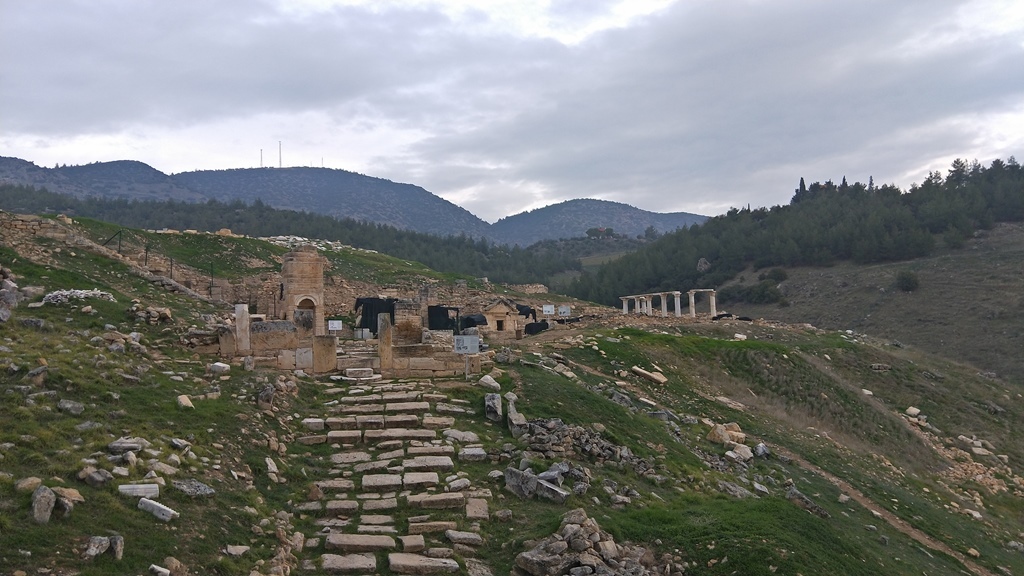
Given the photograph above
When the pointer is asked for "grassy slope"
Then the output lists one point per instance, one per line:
(802, 389)
(968, 307)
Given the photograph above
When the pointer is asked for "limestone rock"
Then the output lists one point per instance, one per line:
(343, 564)
(492, 407)
(490, 383)
(43, 501)
(405, 563)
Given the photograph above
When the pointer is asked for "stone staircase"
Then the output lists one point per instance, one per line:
(394, 492)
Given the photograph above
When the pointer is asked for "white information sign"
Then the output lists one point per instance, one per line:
(333, 325)
(564, 311)
(549, 309)
(467, 344)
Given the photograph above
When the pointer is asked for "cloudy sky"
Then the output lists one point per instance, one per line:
(502, 106)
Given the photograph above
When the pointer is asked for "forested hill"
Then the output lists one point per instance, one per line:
(453, 254)
(572, 219)
(341, 194)
(824, 223)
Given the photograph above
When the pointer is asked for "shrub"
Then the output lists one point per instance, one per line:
(907, 281)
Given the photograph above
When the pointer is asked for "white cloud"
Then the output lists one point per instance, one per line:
(509, 105)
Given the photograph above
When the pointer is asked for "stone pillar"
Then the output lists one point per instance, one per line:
(714, 309)
(643, 305)
(242, 342)
(678, 305)
(636, 305)
(664, 305)
(693, 306)
(385, 339)
(625, 305)
(325, 354)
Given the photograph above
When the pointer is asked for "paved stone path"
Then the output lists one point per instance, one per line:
(394, 485)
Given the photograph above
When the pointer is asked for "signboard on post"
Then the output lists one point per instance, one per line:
(564, 311)
(467, 345)
(334, 325)
(549, 309)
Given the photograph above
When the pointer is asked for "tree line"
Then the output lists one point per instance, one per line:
(824, 223)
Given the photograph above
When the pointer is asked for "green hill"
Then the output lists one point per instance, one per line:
(853, 484)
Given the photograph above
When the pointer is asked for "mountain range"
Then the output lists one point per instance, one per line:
(341, 194)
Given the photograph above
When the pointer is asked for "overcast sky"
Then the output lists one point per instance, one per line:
(503, 106)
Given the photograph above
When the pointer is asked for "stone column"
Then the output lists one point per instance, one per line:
(325, 354)
(242, 343)
(693, 306)
(385, 340)
(678, 311)
(636, 305)
(664, 305)
(625, 305)
(714, 309)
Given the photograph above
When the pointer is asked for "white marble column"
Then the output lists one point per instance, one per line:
(625, 305)
(676, 296)
(714, 309)
(664, 305)
(693, 306)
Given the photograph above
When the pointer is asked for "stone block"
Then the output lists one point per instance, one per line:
(412, 543)
(438, 422)
(473, 454)
(437, 501)
(370, 422)
(349, 457)
(344, 564)
(157, 509)
(399, 434)
(311, 440)
(139, 490)
(341, 423)
(380, 504)
(476, 509)
(466, 538)
(417, 480)
(336, 507)
(401, 421)
(313, 424)
(433, 463)
(430, 527)
(344, 436)
(359, 542)
(431, 450)
(406, 407)
(382, 482)
(341, 484)
(405, 563)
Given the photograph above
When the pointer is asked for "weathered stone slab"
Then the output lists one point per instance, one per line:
(359, 542)
(466, 538)
(429, 527)
(382, 482)
(338, 564)
(157, 509)
(43, 501)
(370, 422)
(376, 529)
(399, 434)
(656, 377)
(492, 407)
(381, 504)
(341, 423)
(336, 507)
(344, 436)
(415, 480)
(434, 463)
(367, 399)
(476, 509)
(404, 563)
(401, 421)
(376, 519)
(349, 457)
(438, 422)
(371, 466)
(406, 407)
(314, 439)
(363, 409)
(313, 424)
(473, 454)
(336, 484)
(437, 501)
(431, 450)
(554, 493)
(139, 490)
(412, 543)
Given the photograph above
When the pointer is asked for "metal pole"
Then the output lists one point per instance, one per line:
(467, 367)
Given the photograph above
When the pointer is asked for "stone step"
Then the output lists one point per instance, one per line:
(438, 422)
(342, 507)
(419, 480)
(406, 563)
(348, 563)
(431, 450)
(336, 484)
(359, 542)
(381, 504)
(341, 423)
(476, 509)
(430, 527)
(399, 434)
(401, 396)
(362, 409)
(375, 465)
(349, 457)
(376, 529)
(344, 436)
(406, 407)
(382, 482)
(376, 519)
(437, 501)
(428, 463)
(367, 399)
